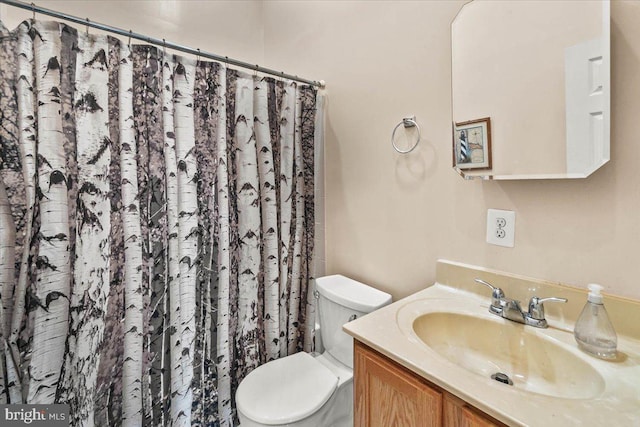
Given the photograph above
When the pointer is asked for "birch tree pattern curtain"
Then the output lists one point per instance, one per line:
(156, 224)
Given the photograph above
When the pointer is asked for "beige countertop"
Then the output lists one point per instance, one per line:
(616, 403)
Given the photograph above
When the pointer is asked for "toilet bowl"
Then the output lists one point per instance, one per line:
(302, 390)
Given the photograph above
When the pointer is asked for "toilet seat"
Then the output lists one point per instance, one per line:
(285, 390)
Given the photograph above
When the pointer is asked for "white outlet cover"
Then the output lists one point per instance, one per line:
(501, 227)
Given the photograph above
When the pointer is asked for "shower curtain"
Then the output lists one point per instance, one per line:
(156, 226)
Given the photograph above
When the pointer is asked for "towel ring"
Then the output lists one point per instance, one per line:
(408, 122)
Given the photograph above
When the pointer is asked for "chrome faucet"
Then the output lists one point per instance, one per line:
(510, 309)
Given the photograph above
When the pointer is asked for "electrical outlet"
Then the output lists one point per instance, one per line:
(501, 227)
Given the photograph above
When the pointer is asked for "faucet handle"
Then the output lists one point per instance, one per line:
(497, 295)
(536, 306)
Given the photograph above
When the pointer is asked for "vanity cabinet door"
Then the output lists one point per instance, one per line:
(458, 413)
(387, 394)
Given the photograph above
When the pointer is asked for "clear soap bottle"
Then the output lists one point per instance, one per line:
(594, 332)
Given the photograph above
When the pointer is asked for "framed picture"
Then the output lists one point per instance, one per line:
(472, 144)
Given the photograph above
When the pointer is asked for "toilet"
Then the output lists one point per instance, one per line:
(304, 390)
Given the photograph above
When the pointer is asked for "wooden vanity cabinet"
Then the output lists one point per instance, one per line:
(387, 394)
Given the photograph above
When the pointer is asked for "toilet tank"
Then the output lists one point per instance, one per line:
(342, 300)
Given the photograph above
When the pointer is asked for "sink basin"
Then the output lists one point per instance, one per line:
(533, 361)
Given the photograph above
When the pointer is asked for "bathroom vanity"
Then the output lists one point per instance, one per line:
(440, 358)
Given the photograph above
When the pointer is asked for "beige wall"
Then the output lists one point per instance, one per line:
(231, 28)
(389, 217)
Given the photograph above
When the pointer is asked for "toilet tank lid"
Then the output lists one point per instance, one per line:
(351, 293)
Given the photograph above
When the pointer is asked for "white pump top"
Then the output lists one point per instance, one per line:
(594, 293)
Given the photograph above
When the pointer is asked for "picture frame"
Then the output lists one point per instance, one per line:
(472, 144)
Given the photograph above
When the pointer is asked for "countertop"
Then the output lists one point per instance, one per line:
(388, 330)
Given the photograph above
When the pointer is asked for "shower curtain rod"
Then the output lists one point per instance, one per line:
(159, 42)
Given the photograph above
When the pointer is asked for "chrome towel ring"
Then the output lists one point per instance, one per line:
(408, 122)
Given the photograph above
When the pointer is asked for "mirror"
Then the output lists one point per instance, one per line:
(540, 72)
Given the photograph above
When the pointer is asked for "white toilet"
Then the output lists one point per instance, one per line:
(305, 391)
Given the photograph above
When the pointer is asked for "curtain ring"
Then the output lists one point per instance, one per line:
(255, 71)
(87, 26)
(33, 9)
(129, 42)
(164, 48)
(198, 56)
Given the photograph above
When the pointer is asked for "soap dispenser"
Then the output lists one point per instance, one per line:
(594, 332)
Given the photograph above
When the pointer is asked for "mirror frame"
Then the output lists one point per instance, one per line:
(470, 174)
